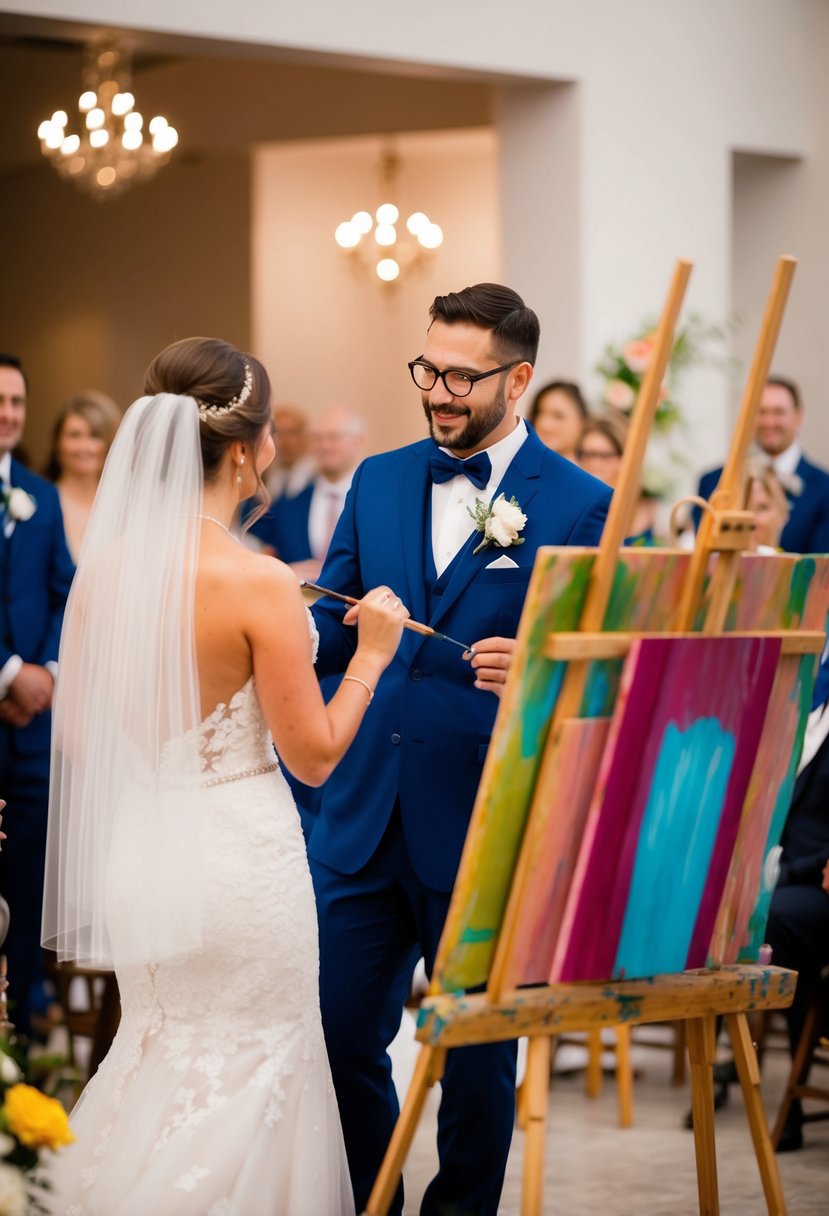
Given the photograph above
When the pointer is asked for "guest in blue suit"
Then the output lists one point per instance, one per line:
(779, 420)
(385, 851)
(36, 572)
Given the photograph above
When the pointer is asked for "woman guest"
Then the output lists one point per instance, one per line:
(600, 453)
(558, 413)
(83, 432)
(766, 497)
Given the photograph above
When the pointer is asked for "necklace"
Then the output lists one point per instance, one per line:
(213, 520)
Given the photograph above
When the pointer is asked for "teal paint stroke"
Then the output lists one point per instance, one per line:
(677, 837)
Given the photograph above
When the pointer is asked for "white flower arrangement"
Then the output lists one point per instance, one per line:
(500, 521)
(20, 506)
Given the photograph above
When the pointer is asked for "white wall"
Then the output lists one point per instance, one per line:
(330, 333)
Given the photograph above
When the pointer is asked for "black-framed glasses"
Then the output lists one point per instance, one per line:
(459, 384)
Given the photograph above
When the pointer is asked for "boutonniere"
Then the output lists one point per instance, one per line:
(500, 521)
(20, 506)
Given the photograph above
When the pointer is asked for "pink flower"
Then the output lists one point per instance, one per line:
(638, 354)
(619, 394)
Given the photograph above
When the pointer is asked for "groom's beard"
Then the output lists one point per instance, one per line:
(480, 424)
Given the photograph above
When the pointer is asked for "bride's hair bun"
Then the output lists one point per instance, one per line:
(232, 391)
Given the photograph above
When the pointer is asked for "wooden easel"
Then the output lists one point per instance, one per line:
(449, 1019)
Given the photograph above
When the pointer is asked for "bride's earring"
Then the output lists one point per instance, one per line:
(239, 474)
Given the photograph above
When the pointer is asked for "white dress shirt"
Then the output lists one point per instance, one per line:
(452, 500)
(785, 463)
(327, 502)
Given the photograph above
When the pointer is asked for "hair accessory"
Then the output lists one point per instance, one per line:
(209, 409)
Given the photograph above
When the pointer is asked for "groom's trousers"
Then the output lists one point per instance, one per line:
(374, 925)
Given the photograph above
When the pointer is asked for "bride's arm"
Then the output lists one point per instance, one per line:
(310, 736)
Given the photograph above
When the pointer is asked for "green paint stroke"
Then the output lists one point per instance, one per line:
(472, 936)
(802, 575)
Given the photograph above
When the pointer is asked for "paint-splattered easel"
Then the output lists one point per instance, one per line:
(523, 909)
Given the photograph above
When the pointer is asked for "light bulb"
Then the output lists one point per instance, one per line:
(106, 177)
(416, 222)
(385, 234)
(347, 236)
(71, 144)
(86, 101)
(363, 222)
(122, 103)
(157, 124)
(387, 269)
(98, 139)
(431, 237)
(387, 213)
(133, 122)
(59, 118)
(54, 137)
(44, 128)
(95, 119)
(131, 140)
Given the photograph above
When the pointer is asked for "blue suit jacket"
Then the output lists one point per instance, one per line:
(36, 572)
(808, 528)
(284, 526)
(425, 736)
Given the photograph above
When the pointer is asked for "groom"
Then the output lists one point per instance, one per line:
(386, 847)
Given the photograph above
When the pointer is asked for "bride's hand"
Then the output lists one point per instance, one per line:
(379, 617)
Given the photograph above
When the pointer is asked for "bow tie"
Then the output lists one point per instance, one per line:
(478, 468)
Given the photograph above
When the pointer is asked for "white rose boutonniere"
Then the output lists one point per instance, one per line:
(20, 505)
(500, 521)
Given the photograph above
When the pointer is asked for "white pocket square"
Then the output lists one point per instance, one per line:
(502, 563)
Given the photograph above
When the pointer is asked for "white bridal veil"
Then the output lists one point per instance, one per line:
(121, 883)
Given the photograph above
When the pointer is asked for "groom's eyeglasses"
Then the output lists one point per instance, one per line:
(459, 384)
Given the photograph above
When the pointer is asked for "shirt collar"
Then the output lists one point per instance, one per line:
(6, 469)
(340, 488)
(502, 453)
(785, 463)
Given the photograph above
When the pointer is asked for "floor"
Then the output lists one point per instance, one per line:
(593, 1166)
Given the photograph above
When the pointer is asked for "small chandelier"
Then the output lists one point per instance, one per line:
(379, 242)
(112, 151)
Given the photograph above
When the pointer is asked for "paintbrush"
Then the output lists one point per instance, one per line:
(426, 630)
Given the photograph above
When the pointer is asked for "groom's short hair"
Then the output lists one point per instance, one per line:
(515, 328)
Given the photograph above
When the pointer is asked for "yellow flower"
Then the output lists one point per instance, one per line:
(37, 1121)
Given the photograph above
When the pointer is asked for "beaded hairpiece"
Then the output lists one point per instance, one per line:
(211, 410)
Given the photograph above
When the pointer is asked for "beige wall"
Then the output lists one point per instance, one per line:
(330, 333)
(93, 291)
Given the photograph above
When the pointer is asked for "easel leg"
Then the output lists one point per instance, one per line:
(593, 1072)
(537, 1086)
(624, 1075)
(701, 1048)
(748, 1070)
(429, 1068)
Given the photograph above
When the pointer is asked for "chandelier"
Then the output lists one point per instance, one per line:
(381, 241)
(112, 151)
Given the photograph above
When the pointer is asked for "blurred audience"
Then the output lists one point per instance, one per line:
(766, 497)
(298, 529)
(37, 572)
(558, 413)
(81, 438)
(779, 420)
(293, 467)
(600, 451)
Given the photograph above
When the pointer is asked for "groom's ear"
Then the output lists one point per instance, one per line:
(520, 378)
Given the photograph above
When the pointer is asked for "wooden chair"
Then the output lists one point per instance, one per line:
(94, 1017)
(812, 1051)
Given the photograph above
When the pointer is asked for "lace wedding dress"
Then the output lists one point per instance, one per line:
(216, 1097)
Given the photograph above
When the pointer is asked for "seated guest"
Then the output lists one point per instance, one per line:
(299, 529)
(81, 438)
(766, 497)
(600, 451)
(293, 468)
(779, 420)
(558, 413)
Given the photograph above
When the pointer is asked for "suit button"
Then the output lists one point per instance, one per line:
(395, 738)
(417, 674)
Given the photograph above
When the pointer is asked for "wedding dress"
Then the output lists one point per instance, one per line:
(216, 1098)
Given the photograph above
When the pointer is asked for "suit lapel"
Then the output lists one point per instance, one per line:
(414, 499)
(520, 482)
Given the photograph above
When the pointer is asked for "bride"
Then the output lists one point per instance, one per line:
(175, 853)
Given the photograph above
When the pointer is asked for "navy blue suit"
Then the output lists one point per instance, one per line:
(385, 851)
(36, 572)
(807, 530)
(284, 526)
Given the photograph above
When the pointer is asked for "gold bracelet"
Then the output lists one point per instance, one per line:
(367, 687)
